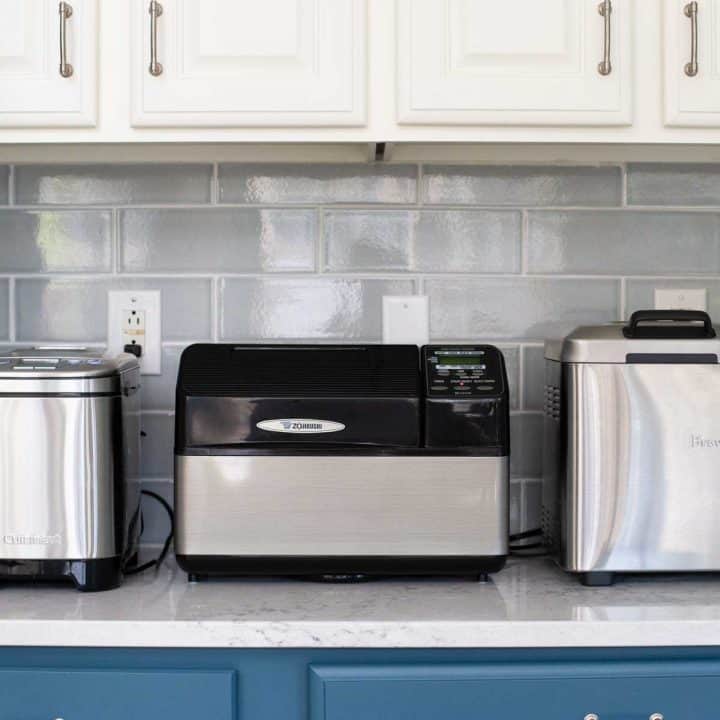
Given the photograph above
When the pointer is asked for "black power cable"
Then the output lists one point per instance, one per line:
(157, 562)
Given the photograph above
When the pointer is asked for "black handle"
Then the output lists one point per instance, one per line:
(635, 330)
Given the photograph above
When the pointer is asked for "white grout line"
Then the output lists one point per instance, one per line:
(12, 331)
(320, 245)
(521, 378)
(624, 185)
(11, 185)
(623, 298)
(524, 225)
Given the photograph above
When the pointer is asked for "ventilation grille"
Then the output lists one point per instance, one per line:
(551, 406)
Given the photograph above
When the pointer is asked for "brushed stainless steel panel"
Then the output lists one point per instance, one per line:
(641, 487)
(341, 505)
(58, 476)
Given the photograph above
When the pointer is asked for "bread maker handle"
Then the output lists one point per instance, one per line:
(678, 316)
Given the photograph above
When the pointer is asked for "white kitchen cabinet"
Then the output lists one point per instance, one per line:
(692, 67)
(228, 63)
(514, 62)
(33, 91)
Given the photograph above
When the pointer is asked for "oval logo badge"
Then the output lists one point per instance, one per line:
(300, 425)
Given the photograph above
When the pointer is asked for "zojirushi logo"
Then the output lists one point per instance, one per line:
(698, 441)
(300, 425)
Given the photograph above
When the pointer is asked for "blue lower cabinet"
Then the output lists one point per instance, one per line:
(356, 684)
(610, 691)
(116, 694)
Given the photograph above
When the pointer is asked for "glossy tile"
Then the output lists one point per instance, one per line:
(75, 310)
(156, 524)
(319, 183)
(526, 438)
(112, 184)
(673, 184)
(4, 309)
(534, 377)
(428, 240)
(640, 294)
(55, 241)
(623, 243)
(298, 308)
(157, 453)
(218, 240)
(158, 391)
(521, 185)
(517, 308)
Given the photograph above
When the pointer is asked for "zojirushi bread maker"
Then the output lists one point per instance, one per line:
(341, 460)
(69, 465)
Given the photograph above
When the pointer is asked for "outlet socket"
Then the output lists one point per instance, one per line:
(406, 319)
(681, 299)
(134, 319)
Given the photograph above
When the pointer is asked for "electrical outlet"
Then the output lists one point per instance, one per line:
(134, 319)
(406, 319)
(679, 299)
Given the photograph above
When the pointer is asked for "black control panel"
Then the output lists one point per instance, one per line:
(462, 371)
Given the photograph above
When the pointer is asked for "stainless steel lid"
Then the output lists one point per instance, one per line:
(648, 333)
(61, 369)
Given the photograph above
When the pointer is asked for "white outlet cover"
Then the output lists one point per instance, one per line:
(406, 319)
(681, 299)
(119, 302)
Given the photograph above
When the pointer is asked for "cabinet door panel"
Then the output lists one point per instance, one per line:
(515, 691)
(692, 100)
(242, 62)
(513, 62)
(32, 91)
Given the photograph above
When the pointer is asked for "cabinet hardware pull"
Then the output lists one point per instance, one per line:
(691, 11)
(656, 716)
(591, 716)
(65, 11)
(156, 10)
(605, 9)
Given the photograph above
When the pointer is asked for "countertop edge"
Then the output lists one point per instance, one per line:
(351, 634)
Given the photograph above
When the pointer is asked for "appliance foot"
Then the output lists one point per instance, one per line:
(197, 577)
(482, 577)
(597, 579)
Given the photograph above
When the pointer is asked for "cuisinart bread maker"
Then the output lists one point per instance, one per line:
(341, 461)
(69, 465)
(632, 446)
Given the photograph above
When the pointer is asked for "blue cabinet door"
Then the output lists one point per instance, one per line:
(547, 691)
(45, 694)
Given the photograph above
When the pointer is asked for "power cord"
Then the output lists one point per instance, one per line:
(157, 562)
(521, 549)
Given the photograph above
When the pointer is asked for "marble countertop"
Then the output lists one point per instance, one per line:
(529, 604)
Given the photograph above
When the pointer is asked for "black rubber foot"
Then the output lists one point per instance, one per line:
(197, 577)
(597, 579)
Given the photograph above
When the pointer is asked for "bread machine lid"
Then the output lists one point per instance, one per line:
(650, 336)
(61, 364)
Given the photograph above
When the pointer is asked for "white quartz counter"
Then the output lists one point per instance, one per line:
(529, 604)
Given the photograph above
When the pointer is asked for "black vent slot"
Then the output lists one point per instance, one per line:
(300, 371)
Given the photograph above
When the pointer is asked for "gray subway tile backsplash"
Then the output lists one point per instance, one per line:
(75, 309)
(112, 184)
(55, 241)
(218, 240)
(628, 242)
(517, 308)
(305, 308)
(506, 254)
(426, 240)
(521, 185)
(664, 184)
(318, 183)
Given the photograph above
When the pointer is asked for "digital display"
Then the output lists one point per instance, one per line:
(461, 360)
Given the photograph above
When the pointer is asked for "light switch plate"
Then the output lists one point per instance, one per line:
(146, 302)
(406, 319)
(681, 299)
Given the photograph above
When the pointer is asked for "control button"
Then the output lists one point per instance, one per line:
(24, 367)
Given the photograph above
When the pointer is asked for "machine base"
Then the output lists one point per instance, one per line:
(339, 568)
(87, 575)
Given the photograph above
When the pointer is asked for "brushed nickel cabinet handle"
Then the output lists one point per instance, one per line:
(691, 11)
(156, 10)
(65, 11)
(605, 9)
(591, 716)
(656, 716)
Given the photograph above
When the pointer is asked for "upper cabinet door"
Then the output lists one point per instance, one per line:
(517, 62)
(38, 87)
(692, 63)
(226, 63)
